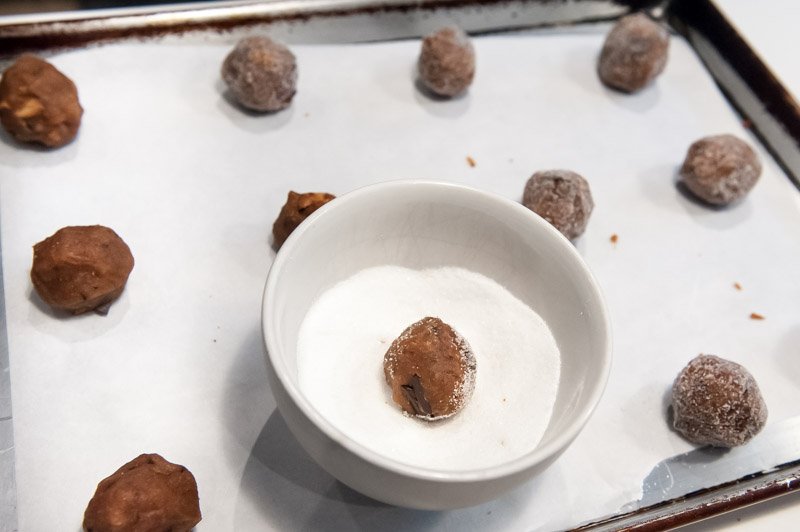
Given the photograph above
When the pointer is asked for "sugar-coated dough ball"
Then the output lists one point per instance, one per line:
(561, 197)
(720, 169)
(81, 268)
(297, 208)
(147, 494)
(717, 402)
(447, 62)
(430, 369)
(261, 74)
(634, 53)
(38, 103)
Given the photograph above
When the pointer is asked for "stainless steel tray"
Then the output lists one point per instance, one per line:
(767, 108)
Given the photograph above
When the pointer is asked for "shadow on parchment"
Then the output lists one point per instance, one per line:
(662, 187)
(287, 489)
(42, 156)
(580, 68)
(248, 119)
(787, 354)
(282, 487)
(440, 106)
(75, 328)
(292, 492)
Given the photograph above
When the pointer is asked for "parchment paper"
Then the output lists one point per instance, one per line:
(193, 184)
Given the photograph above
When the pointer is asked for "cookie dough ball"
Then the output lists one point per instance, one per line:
(261, 74)
(38, 103)
(447, 62)
(147, 494)
(717, 402)
(430, 369)
(562, 198)
(720, 169)
(297, 208)
(634, 53)
(81, 268)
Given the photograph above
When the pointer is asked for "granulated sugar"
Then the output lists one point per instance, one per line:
(347, 331)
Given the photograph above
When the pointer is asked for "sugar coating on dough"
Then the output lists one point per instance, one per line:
(717, 402)
(447, 62)
(261, 74)
(561, 197)
(634, 53)
(430, 369)
(720, 169)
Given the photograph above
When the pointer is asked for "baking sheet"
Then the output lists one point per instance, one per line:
(193, 184)
(768, 36)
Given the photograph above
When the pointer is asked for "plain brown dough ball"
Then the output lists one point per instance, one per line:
(717, 402)
(38, 103)
(297, 208)
(261, 74)
(430, 369)
(447, 62)
(81, 268)
(148, 494)
(634, 53)
(720, 169)
(561, 197)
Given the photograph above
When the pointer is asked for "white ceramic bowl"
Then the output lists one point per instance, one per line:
(419, 224)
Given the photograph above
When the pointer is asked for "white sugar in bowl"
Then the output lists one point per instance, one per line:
(420, 225)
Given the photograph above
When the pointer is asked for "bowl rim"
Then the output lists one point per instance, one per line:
(527, 461)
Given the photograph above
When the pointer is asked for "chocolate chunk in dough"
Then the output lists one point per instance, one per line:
(430, 369)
